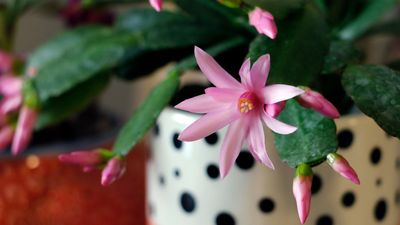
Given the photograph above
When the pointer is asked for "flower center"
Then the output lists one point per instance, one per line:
(247, 102)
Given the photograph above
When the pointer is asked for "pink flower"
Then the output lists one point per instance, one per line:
(239, 104)
(314, 100)
(340, 165)
(10, 89)
(6, 136)
(114, 169)
(264, 22)
(302, 191)
(156, 4)
(23, 133)
(85, 159)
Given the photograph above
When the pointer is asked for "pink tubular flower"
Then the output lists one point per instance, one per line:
(302, 191)
(6, 135)
(10, 85)
(275, 109)
(114, 169)
(341, 166)
(85, 159)
(239, 104)
(23, 133)
(264, 22)
(314, 100)
(156, 4)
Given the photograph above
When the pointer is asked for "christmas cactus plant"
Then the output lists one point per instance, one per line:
(283, 56)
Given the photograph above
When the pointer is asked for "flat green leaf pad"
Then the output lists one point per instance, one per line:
(314, 139)
(376, 91)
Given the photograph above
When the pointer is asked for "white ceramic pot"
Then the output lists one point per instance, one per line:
(183, 187)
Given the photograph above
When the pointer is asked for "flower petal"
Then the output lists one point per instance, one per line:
(280, 92)
(200, 104)
(214, 72)
(231, 146)
(244, 73)
(256, 140)
(224, 94)
(259, 71)
(277, 126)
(208, 124)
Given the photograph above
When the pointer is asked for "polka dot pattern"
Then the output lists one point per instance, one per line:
(192, 192)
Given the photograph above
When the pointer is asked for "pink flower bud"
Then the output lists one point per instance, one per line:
(156, 4)
(23, 133)
(114, 169)
(10, 104)
(275, 109)
(302, 191)
(314, 100)
(341, 166)
(264, 22)
(83, 158)
(10, 85)
(6, 135)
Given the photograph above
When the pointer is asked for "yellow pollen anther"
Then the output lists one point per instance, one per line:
(245, 105)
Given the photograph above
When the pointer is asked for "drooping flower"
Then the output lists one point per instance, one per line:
(239, 104)
(114, 169)
(264, 22)
(302, 190)
(10, 89)
(92, 158)
(6, 136)
(341, 166)
(314, 100)
(23, 132)
(156, 4)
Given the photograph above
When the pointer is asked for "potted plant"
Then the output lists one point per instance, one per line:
(304, 50)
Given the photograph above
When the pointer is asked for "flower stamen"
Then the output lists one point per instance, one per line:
(247, 102)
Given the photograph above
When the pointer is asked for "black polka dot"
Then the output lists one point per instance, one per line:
(345, 138)
(316, 184)
(266, 205)
(376, 155)
(380, 210)
(245, 160)
(224, 219)
(161, 180)
(348, 199)
(156, 130)
(213, 171)
(177, 143)
(187, 202)
(325, 220)
(212, 139)
(378, 182)
(177, 173)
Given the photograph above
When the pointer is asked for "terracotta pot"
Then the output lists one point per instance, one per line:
(183, 187)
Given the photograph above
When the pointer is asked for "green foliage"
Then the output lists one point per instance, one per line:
(145, 116)
(341, 53)
(376, 90)
(73, 67)
(278, 8)
(314, 139)
(368, 17)
(297, 54)
(59, 108)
